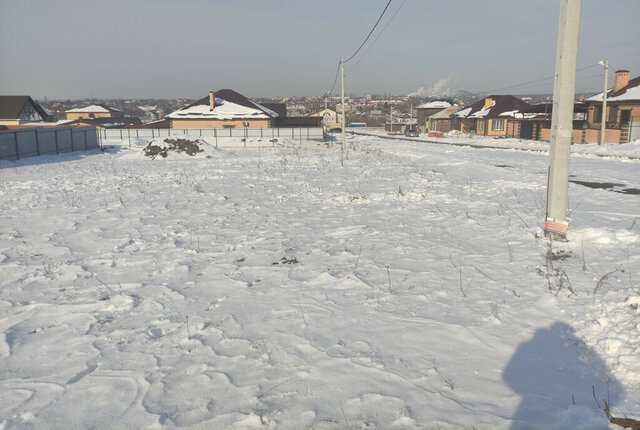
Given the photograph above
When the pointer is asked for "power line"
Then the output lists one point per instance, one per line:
(377, 37)
(335, 80)
(524, 84)
(369, 35)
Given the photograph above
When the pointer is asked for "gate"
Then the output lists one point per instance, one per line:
(526, 130)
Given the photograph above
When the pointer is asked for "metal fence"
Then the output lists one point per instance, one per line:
(29, 142)
(295, 133)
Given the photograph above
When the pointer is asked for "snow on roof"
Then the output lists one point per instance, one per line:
(623, 94)
(228, 105)
(223, 109)
(266, 109)
(436, 104)
(50, 123)
(483, 112)
(499, 104)
(93, 109)
(464, 112)
(445, 113)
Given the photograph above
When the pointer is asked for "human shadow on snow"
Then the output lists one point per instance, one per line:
(563, 382)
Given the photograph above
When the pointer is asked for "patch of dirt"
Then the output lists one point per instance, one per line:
(285, 260)
(189, 147)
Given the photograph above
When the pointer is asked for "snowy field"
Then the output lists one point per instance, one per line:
(274, 288)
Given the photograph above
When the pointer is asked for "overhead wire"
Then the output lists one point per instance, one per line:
(377, 37)
(363, 43)
(524, 84)
(369, 35)
(334, 81)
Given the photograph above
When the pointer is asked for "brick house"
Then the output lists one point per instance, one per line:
(492, 116)
(93, 112)
(223, 109)
(426, 110)
(16, 110)
(535, 121)
(444, 121)
(622, 118)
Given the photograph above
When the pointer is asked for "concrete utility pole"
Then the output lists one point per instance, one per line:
(562, 118)
(342, 122)
(411, 115)
(603, 124)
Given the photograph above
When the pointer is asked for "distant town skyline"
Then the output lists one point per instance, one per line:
(72, 49)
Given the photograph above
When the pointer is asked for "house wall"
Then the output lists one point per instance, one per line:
(423, 114)
(587, 135)
(441, 125)
(489, 127)
(468, 125)
(512, 128)
(237, 123)
(595, 120)
(9, 122)
(84, 115)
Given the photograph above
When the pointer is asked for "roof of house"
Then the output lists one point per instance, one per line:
(627, 93)
(500, 105)
(445, 113)
(228, 105)
(112, 122)
(94, 109)
(11, 107)
(279, 108)
(435, 104)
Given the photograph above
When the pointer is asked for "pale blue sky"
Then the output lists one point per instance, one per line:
(184, 48)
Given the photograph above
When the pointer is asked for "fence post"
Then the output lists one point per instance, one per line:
(120, 134)
(261, 132)
(86, 140)
(55, 137)
(15, 140)
(215, 134)
(37, 142)
(129, 136)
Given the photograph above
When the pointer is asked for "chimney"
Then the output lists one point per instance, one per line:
(487, 103)
(212, 100)
(621, 80)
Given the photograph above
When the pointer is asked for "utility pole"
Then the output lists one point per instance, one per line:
(342, 122)
(603, 124)
(411, 115)
(562, 118)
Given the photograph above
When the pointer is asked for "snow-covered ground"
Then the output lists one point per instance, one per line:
(629, 150)
(275, 288)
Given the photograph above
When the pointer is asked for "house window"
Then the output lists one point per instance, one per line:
(481, 125)
(497, 125)
(597, 115)
(613, 114)
(625, 116)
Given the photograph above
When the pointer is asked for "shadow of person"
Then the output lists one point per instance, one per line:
(557, 375)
